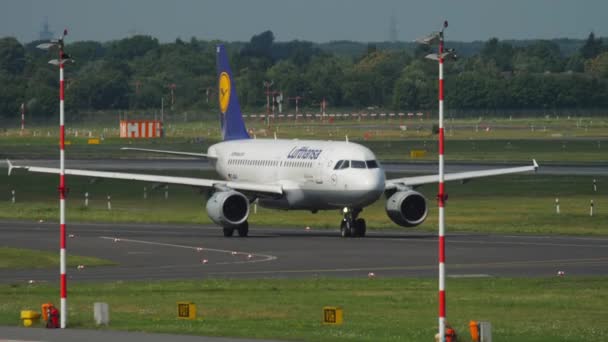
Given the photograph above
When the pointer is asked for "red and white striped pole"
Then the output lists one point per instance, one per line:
(62, 188)
(441, 198)
(62, 240)
(22, 116)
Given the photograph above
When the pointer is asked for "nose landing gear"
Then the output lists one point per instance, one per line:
(351, 226)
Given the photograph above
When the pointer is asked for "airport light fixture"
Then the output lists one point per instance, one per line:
(63, 58)
(431, 39)
(437, 38)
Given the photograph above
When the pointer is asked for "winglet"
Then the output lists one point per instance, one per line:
(10, 166)
(535, 164)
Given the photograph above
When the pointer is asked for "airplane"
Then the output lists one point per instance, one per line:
(293, 174)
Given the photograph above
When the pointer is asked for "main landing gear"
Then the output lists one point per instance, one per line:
(351, 226)
(242, 229)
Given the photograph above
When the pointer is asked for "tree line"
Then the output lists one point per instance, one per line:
(136, 72)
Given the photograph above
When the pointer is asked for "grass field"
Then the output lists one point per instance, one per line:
(543, 309)
(505, 204)
(18, 258)
(547, 140)
(535, 310)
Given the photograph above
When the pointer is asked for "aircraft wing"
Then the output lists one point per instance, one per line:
(419, 180)
(257, 188)
(189, 154)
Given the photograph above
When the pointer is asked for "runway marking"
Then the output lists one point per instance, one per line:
(468, 275)
(557, 237)
(485, 242)
(264, 257)
(523, 264)
(405, 238)
(158, 228)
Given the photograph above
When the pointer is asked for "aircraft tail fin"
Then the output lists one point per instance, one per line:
(231, 118)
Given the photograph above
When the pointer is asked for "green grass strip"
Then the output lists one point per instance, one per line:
(19, 258)
(395, 309)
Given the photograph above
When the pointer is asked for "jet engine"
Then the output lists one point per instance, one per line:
(228, 208)
(407, 208)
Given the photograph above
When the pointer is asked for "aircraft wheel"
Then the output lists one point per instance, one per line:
(345, 229)
(243, 229)
(360, 227)
(228, 231)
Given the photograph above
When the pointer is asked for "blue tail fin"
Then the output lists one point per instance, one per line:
(231, 118)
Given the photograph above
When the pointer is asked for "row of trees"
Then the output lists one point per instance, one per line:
(136, 72)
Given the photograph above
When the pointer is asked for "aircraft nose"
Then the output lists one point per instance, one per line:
(374, 181)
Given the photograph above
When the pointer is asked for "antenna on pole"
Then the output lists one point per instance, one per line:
(433, 39)
(63, 58)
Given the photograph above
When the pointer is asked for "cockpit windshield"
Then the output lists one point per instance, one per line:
(356, 164)
(371, 164)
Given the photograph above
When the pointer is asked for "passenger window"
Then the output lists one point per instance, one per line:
(357, 164)
(371, 164)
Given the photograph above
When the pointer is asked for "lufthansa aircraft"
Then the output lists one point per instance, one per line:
(291, 174)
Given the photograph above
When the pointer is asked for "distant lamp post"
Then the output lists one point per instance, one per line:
(63, 58)
(172, 87)
(297, 100)
(268, 92)
(434, 39)
(22, 117)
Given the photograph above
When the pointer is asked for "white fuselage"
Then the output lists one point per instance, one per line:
(306, 170)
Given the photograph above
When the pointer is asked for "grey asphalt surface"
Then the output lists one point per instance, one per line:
(14, 334)
(146, 251)
(195, 164)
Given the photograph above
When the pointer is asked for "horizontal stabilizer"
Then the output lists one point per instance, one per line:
(189, 154)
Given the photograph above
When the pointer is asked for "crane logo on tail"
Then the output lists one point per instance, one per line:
(224, 92)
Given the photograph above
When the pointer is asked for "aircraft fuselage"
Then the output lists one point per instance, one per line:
(307, 170)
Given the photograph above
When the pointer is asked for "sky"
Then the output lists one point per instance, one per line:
(311, 20)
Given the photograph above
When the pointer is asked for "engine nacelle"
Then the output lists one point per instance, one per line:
(228, 208)
(407, 208)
